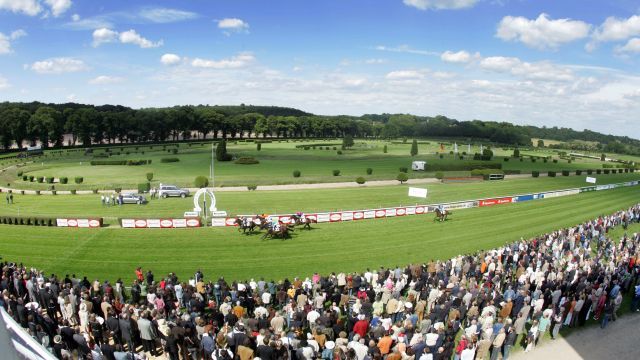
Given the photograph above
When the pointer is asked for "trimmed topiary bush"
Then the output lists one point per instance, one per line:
(73, 191)
(535, 173)
(578, 172)
(252, 187)
(598, 171)
(339, 152)
(555, 161)
(589, 172)
(24, 177)
(64, 180)
(384, 149)
(369, 171)
(439, 175)
(201, 182)
(565, 172)
(49, 179)
(31, 177)
(296, 173)
(20, 173)
(336, 172)
(402, 177)
(258, 146)
(78, 179)
(169, 160)
(360, 180)
(144, 187)
(404, 169)
(149, 176)
(551, 174)
(40, 179)
(606, 171)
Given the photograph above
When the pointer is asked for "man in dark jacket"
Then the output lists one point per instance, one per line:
(126, 331)
(113, 325)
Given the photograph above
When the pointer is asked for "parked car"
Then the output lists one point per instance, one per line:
(166, 191)
(133, 199)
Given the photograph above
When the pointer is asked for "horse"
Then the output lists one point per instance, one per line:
(442, 215)
(306, 223)
(242, 226)
(283, 232)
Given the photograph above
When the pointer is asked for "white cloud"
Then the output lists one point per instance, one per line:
(233, 25)
(4, 83)
(104, 80)
(614, 29)
(90, 23)
(632, 46)
(165, 15)
(132, 37)
(170, 59)
(460, 57)
(440, 4)
(542, 33)
(59, 65)
(375, 61)
(58, 7)
(543, 71)
(104, 35)
(27, 7)
(406, 49)
(405, 75)
(235, 62)
(5, 41)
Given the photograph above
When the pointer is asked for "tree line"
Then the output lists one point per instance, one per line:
(47, 124)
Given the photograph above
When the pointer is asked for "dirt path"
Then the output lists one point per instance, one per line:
(620, 341)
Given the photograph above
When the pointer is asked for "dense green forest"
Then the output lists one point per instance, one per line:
(28, 123)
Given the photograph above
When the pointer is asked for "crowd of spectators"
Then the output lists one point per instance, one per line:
(474, 306)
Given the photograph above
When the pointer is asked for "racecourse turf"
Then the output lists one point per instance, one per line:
(278, 160)
(274, 202)
(113, 253)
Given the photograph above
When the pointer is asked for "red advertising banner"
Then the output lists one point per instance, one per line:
(79, 223)
(499, 201)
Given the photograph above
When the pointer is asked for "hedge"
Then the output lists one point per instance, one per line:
(120, 162)
(486, 172)
(201, 182)
(247, 161)
(551, 174)
(565, 172)
(464, 165)
(169, 160)
(22, 220)
(535, 173)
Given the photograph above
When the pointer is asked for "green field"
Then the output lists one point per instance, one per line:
(273, 202)
(278, 160)
(114, 253)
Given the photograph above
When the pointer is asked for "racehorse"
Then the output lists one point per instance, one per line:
(306, 223)
(244, 226)
(442, 215)
(283, 232)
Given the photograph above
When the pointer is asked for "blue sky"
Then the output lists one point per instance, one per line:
(542, 62)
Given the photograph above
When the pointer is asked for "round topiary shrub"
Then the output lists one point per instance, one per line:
(402, 177)
(551, 174)
(336, 172)
(439, 175)
(20, 173)
(78, 179)
(404, 169)
(589, 172)
(535, 173)
(360, 180)
(369, 171)
(555, 161)
(64, 180)
(339, 152)
(24, 177)
(606, 171)
(40, 179)
(578, 172)
(598, 171)
(258, 146)
(296, 173)
(201, 182)
(31, 177)
(441, 156)
(565, 172)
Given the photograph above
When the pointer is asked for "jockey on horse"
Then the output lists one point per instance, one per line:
(301, 219)
(441, 213)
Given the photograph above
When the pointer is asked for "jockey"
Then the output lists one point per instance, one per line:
(301, 216)
(275, 224)
(246, 221)
(441, 208)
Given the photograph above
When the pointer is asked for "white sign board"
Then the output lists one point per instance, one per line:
(417, 192)
(591, 180)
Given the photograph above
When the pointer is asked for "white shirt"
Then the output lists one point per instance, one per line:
(468, 354)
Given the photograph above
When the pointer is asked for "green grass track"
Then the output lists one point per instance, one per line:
(328, 247)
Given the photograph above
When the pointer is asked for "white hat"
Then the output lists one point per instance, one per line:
(330, 345)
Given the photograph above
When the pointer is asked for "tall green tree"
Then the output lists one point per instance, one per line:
(347, 141)
(414, 147)
(221, 151)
